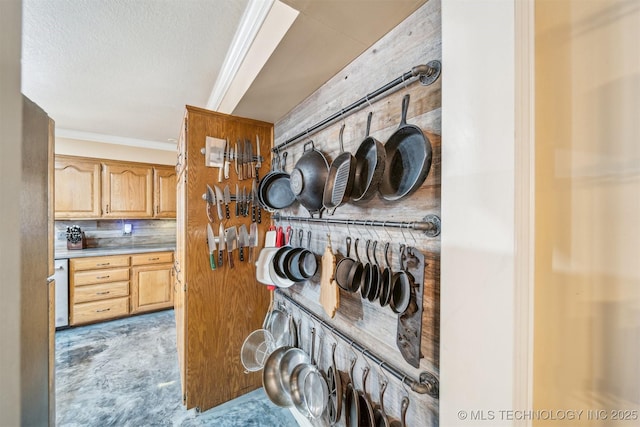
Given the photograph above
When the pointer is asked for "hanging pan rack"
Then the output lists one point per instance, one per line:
(427, 382)
(426, 73)
(430, 224)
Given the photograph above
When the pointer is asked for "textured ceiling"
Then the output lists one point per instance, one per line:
(122, 67)
(126, 68)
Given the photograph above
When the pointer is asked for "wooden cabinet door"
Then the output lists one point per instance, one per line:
(151, 287)
(164, 192)
(77, 188)
(127, 190)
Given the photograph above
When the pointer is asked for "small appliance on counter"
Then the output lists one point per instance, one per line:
(76, 238)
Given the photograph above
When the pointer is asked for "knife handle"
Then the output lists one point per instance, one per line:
(226, 211)
(253, 212)
(212, 261)
(241, 253)
(251, 254)
(220, 257)
(259, 215)
(257, 179)
(220, 170)
(230, 258)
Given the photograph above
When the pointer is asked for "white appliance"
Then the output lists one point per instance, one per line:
(61, 276)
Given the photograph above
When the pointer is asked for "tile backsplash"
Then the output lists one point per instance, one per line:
(109, 233)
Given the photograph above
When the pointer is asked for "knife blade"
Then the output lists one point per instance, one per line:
(258, 207)
(253, 201)
(228, 153)
(259, 159)
(231, 234)
(212, 246)
(219, 201)
(227, 200)
(210, 197)
(220, 245)
(247, 159)
(235, 161)
(221, 168)
(245, 203)
(243, 240)
(253, 239)
(251, 163)
(237, 201)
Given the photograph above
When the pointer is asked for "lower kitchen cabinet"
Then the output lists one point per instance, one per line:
(108, 287)
(151, 282)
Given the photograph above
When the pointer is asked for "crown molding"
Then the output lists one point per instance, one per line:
(112, 139)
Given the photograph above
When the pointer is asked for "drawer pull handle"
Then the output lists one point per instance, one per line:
(103, 293)
(103, 310)
(103, 264)
(102, 277)
(154, 259)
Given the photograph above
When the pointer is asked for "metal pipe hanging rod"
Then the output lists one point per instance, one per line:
(427, 384)
(430, 226)
(427, 73)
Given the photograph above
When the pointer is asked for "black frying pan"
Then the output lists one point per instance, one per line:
(356, 271)
(370, 163)
(334, 383)
(344, 267)
(274, 190)
(401, 283)
(408, 159)
(366, 417)
(339, 184)
(374, 287)
(385, 281)
(351, 401)
(367, 275)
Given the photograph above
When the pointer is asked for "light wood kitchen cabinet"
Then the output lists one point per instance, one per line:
(77, 188)
(87, 188)
(127, 190)
(164, 192)
(98, 288)
(151, 281)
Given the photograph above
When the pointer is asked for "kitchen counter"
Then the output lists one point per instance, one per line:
(80, 253)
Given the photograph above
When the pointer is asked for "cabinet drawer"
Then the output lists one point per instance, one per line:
(152, 258)
(100, 276)
(100, 310)
(91, 263)
(100, 292)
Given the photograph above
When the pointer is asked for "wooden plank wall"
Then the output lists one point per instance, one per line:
(415, 41)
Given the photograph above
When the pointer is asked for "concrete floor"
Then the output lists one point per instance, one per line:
(125, 373)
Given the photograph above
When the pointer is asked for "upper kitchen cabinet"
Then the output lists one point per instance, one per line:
(127, 190)
(87, 188)
(164, 192)
(77, 188)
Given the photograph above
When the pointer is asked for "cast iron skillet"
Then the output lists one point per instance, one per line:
(351, 401)
(379, 415)
(274, 190)
(367, 275)
(374, 287)
(370, 163)
(339, 184)
(385, 285)
(355, 273)
(343, 267)
(366, 417)
(334, 382)
(408, 159)
(403, 414)
(401, 283)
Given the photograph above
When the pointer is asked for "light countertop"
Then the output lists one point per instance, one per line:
(79, 253)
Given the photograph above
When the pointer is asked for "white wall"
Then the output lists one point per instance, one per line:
(477, 347)
(100, 150)
(10, 179)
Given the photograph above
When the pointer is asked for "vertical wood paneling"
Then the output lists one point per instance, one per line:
(415, 41)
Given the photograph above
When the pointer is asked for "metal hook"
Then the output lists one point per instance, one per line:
(368, 102)
(353, 351)
(404, 238)
(384, 224)
(386, 378)
(410, 226)
(364, 350)
(404, 83)
(404, 385)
